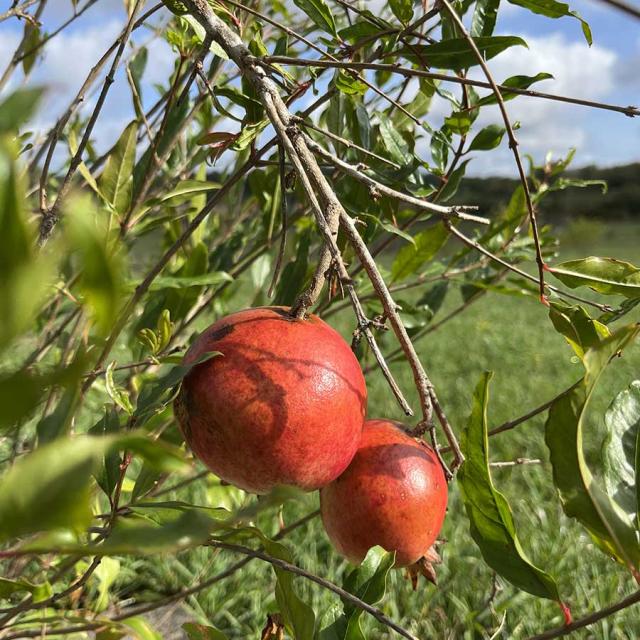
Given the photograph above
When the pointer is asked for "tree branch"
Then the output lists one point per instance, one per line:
(513, 143)
(326, 584)
(629, 601)
(408, 72)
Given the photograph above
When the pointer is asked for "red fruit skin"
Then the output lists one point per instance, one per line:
(393, 494)
(283, 405)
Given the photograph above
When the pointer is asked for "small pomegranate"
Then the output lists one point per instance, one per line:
(283, 405)
(393, 494)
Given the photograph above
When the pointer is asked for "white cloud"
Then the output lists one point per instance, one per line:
(579, 71)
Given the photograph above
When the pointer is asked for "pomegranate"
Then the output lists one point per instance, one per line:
(393, 494)
(283, 405)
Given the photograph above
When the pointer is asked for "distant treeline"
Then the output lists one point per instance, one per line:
(621, 201)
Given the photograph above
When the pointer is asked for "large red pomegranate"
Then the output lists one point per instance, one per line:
(393, 494)
(283, 404)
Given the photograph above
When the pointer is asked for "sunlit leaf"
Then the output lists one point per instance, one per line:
(620, 448)
(116, 181)
(554, 9)
(604, 275)
(197, 631)
(579, 493)
(39, 592)
(579, 329)
(49, 488)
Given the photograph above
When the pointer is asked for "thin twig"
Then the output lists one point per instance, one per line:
(458, 212)
(326, 584)
(476, 245)
(516, 463)
(19, 11)
(283, 212)
(581, 623)
(624, 6)
(408, 72)
(513, 143)
(50, 216)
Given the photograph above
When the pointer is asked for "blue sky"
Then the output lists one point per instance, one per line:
(609, 71)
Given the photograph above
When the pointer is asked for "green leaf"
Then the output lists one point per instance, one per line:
(484, 17)
(181, 193)
(319, 13)
(554, 9)
(25, 277)
(248, 134)
(348, 84)
(141, 628)
(580, 330)
(116, 181)
(411, 257)
(580, 496)
(456, 53)
(490, 516)
(106, 573)
(146, 480)
(517, 82)
(18, 108)
(393, 141)
(604, 275)
(101, 268)
(20, 392)
(488, 138)
(154, 397)
(39, 592)
(294, 275)
(197, 631)
(181, 282)
(49, 488)
(620, 448)
(453, 183)
(119, 395)
(402, 9)
(299, 618)
(30, 41)
(58, 422)
(368, 582)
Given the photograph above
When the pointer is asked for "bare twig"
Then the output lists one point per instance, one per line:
(283, 212)
(516, 463)
(581, 623)
(19, 11)
(326, 584)
(478, 247)
(624, 6)
(409, 72)
(459, 212)
(513, 143)
(50, 216)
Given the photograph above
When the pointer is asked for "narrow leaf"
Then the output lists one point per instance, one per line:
(490, 516)
(411, 257)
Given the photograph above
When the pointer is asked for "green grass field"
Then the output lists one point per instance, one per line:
(514, 338)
